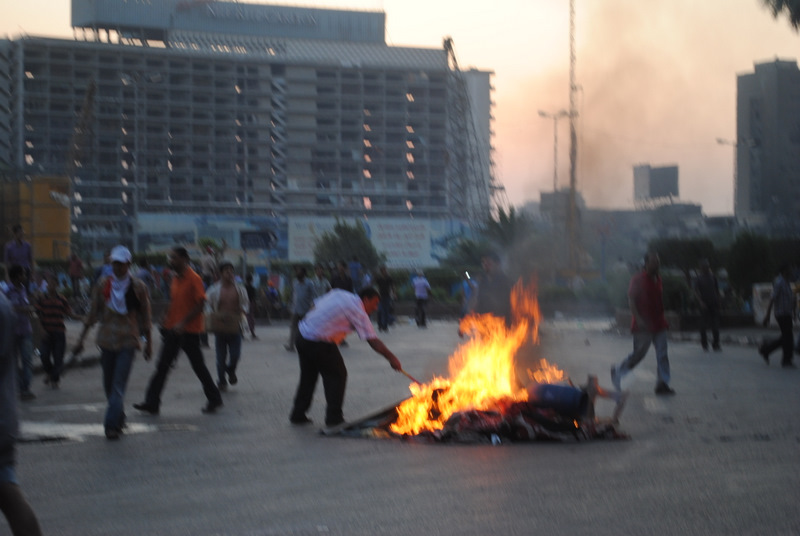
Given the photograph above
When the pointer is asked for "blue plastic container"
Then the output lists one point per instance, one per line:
(564, 399)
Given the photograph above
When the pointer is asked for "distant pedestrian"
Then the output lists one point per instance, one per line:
(341, 279)
(252, 297)
(23, 329)
(492, 294)
(180, 330)
(302, 300)
(226, 303)
(784, 305)
(52, 308)
(19, 251)
(320, 281)
(120, 304)
(355, 268)
(706, 290)
(386, 291)
(649, 326)
(334, 315)
(16, 509)
(422, 289)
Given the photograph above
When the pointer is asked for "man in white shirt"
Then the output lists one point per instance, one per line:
(333, 316)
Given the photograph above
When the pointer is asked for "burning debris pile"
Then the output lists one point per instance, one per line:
(482, 399)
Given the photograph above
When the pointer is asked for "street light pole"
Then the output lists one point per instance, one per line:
(555, 117)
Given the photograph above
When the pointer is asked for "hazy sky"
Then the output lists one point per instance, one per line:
(657, 78)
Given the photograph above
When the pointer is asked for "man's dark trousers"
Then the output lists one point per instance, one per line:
(171, 344)
(320, 359)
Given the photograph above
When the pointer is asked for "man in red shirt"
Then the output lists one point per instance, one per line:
(180, 330)
(648, 325)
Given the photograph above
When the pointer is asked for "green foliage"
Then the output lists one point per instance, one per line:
(508, 229)
(684, 254)
(465, 255)
(790, 7)
(749, 261)
(677, 294)
(346, 241)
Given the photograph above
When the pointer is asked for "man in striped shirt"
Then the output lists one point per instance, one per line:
(52, 307)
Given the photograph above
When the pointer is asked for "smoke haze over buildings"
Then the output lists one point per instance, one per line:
(657, 79)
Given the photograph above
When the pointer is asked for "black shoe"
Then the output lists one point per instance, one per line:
(717, 348)
(211, 407)
(789, 365)
(300, 420)
(112, 434)
(664, 389)
(232, 377)
(222, 385)
(26, 396)
(764, 354)
(145, 408)
(705, 348)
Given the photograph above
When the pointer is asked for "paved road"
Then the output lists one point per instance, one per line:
(721, 457)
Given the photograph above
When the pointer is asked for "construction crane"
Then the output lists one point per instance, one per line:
(81, 140)
(470, 169)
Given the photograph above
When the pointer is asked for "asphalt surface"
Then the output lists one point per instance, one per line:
(720, 457)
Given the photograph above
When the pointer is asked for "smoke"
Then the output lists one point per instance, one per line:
(657, 85)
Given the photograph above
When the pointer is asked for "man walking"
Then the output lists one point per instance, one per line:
(18, 251)
(334, 315)
(227, 302)
(302, 300)
(422, 291)
(385, 285)
(649, 326)
(23, 330)
(784, 304)
(706, 291)
(121, 304)
(180, 330)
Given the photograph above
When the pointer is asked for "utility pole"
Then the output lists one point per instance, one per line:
(572, 223)
(555, 117)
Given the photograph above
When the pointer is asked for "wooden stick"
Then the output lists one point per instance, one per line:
(410, 377)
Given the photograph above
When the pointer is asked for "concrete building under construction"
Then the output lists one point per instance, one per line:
(251, 112)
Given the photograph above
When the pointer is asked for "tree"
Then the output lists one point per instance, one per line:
(508, 229)
(684, 254)
(346, 241)
(790, 7)
(749, 261)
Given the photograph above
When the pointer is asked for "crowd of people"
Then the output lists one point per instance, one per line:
(209, 298)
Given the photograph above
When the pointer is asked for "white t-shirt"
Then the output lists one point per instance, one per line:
(334, 315)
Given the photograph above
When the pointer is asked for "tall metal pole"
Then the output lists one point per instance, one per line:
(573, 146)
(555, 117)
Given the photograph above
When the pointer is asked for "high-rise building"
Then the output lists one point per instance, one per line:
(162, 111)
(768, 143)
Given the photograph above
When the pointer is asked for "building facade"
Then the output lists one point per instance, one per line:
(767, 183)
(243, 111)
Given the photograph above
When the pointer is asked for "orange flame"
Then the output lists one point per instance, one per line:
(481, 370)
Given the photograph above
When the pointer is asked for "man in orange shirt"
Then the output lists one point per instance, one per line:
(180, 330)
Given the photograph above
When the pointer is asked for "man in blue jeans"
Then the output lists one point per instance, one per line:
(121, 304)
(649, 326)
(20, 515)
(23, 331)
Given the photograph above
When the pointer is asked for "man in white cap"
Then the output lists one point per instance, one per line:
(121, 303)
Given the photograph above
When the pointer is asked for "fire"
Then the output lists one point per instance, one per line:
(481, 371)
